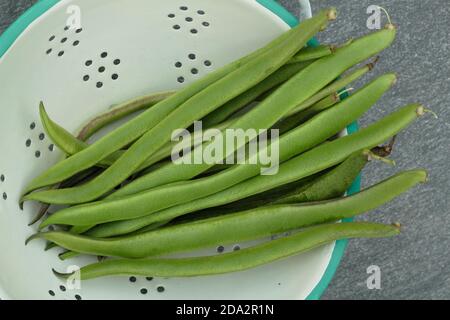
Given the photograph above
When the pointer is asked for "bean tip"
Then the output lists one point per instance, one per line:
(397, 225)
(426, 176)
(394, 79)
(32, 237)
(420, 110)
(372, 64)
(60, 275)
(63, 256)
(390, 26)
(332, 14)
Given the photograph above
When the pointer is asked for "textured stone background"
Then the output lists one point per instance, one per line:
(415, 265)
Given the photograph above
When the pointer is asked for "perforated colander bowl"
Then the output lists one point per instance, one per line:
(121, 50)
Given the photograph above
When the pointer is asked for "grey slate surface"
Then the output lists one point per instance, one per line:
(415, 265)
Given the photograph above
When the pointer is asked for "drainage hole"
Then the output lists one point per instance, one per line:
(194, 71)
(99, 84)
(37, 154)
(78, 297)
(115, 76)
(62, 288)
(132, 279)
(75, 43)
(206, 24)
(183, 8)
(51, 292)
(66, 28)
(176, 27)
(192, 56)
(51, 147)
(201, 12)
(28, 143)
(207, 63)
(41, 136)
(178, 64)
(171, 15)
(61, 53)
(220, 249)
(2, 178)
(161, 289)
(144, 291)
(88, 63)
(149, 278)
(5, 196)
(194, 31)
(189, 19)
(78, 30)
(101, 69)
(52, 38)
(32, 125)
(86, 78)
(236, 248)
(63, 40)
(104, 54)
(49, 51)
(117, 62)
(180, 79)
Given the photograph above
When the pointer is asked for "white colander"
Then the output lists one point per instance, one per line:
(122, 50)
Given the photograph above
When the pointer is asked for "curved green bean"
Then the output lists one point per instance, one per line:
(311, 162)
(195, 108)
(135, 128)
(241, 226)
(318, 129)
(71, 145)
(120, 111)
(240, 260)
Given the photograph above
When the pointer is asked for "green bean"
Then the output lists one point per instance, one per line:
(332, 184)
(295, 120)
(312, 53)
(334, 87)
(195, 108)
(240, 260)
(72, 254)
(311, 80)
(242, 226)
(305, 55)
(68, 255)
(135, 128)
(77, 179)
(318, 129)
(230, 108)
(121, 111)
(309, 163)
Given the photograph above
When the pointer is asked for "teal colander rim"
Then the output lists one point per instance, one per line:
(17, 27)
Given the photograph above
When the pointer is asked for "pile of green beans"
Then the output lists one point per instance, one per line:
(147, 202)
(129, 203)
